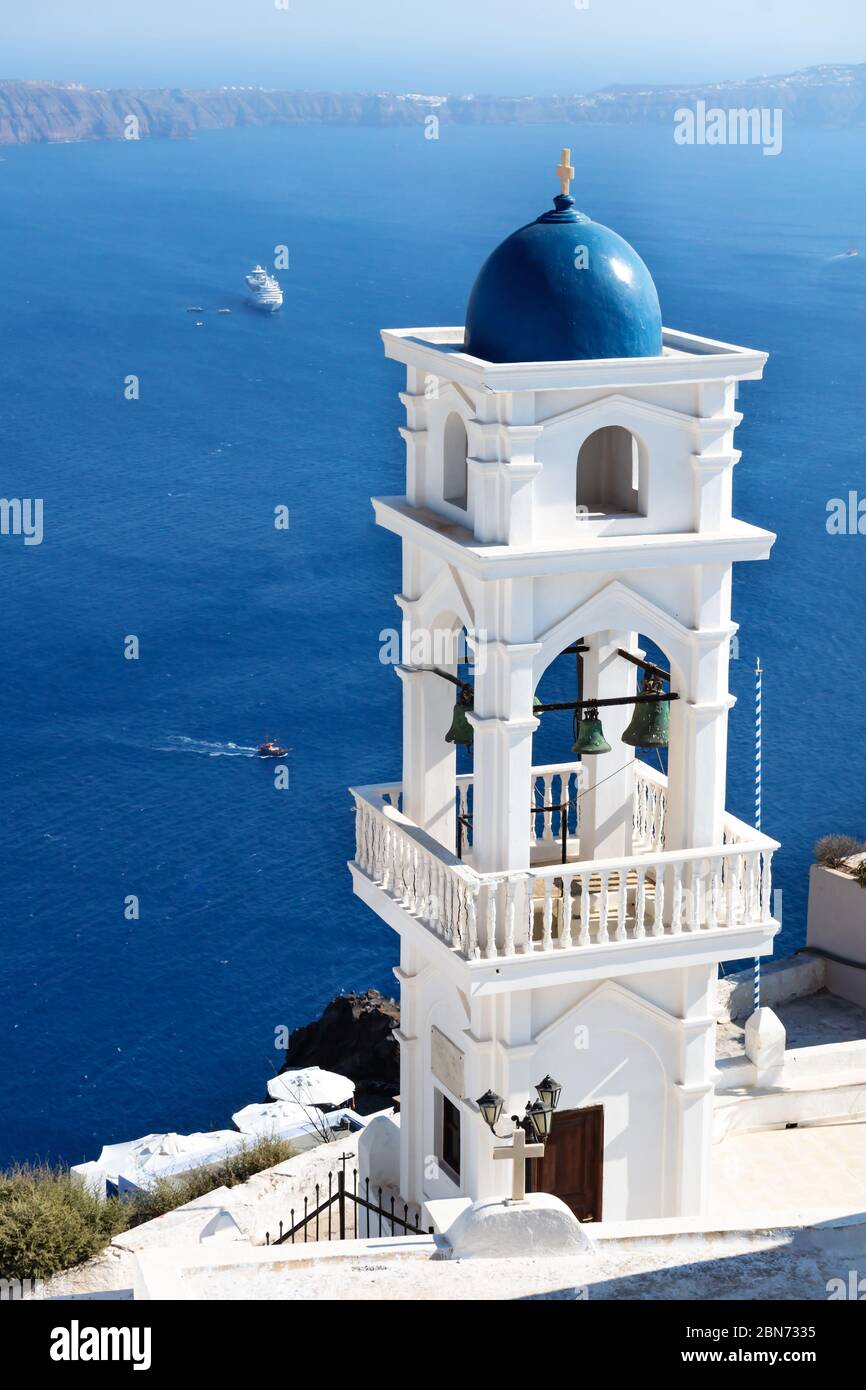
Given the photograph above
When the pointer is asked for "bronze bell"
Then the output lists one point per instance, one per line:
(461, 731)
(590, 735)
(650, 723)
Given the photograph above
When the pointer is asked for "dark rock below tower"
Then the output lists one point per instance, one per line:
(354, 1036)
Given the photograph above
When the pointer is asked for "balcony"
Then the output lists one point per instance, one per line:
(714, 901)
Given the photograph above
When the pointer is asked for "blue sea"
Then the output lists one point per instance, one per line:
(124, 777)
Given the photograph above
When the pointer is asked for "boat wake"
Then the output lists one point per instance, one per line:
(178, 743)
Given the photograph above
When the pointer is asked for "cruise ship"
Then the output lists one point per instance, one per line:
(264, 290)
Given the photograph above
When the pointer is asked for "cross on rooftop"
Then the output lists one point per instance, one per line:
(565, 170)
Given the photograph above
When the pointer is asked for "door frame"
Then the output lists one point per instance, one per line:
(536, 1168)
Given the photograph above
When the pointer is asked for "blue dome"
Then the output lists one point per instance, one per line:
(530, 302)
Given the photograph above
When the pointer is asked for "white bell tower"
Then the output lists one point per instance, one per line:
(572, 488)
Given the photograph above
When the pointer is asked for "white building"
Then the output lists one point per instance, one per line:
(569, 482)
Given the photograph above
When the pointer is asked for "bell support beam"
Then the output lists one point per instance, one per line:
(663, 697)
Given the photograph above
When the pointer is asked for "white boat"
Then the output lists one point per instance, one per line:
(264, 290)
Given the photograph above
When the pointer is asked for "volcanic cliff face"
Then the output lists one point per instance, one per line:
(354, 1036)
(832, 94)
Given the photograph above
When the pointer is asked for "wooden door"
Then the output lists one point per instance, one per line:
(573, 1161)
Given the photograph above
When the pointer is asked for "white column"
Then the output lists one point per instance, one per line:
(411, 1080)
(477, 1178)
(694, 1091)
(697, 765)
(429, 763)
(606, 808)
(504, 725)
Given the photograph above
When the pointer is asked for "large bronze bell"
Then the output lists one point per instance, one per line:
(590, 735)
(461, 731)
(651, 722)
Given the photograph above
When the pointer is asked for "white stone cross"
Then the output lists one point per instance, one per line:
(565, 170)
(519, 1151)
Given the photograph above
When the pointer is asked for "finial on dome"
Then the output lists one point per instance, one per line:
(565, 170)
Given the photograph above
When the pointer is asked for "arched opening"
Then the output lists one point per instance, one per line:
(455, 472)
(609, 469)
(605, 763)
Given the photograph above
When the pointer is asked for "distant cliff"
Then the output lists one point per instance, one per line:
(833, 94)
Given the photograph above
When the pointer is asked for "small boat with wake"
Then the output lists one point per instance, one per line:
(269, 749)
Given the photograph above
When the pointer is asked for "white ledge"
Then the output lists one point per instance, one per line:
(456, 545)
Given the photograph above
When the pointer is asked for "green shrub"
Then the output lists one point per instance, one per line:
(860, 873)
(834, 850)
(167, 1193)
(48, 1222)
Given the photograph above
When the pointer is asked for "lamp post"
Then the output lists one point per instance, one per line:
(534, 1125)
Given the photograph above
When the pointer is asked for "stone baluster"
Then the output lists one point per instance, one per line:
(659, 908)
(509, 917)
(381, 853)
(692, 891)
(547, 915)
(371, 844)
(490, 925)
(547, 835)
(677, 899)
(767, 886)
(753, 888)
(472, 950)
(567, 903)
(442, 889)
(736, 890)
(640, 905)
(621, 906)
(583, 937)
(533, 815)
(731, 889)
(604, 906)
(453, 924)
(714, 901)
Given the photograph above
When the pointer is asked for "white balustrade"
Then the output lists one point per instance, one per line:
(651, 894)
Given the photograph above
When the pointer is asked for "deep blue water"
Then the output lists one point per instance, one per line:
(158, 517)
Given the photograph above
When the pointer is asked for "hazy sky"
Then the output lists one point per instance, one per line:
(512, 46)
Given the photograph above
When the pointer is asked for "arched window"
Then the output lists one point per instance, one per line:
(609, 472)
(454, 465)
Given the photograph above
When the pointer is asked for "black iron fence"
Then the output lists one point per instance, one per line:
(345, 1213)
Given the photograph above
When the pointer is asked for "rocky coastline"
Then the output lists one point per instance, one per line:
(57, 112)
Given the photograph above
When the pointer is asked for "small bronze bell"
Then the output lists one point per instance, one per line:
(650, 723)
(461, 731)
(590, 735)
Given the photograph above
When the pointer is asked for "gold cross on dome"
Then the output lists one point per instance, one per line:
(565, 170)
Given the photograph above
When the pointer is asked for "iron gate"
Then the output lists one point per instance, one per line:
(326, 1217)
